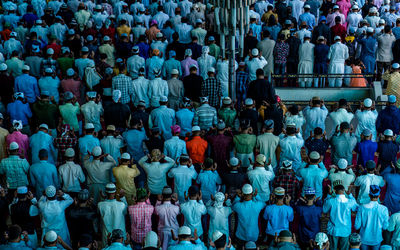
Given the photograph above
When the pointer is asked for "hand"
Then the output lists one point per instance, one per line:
(329, 189)
(287, 199)
(200, 197)
(127, 239)
(174, 197)
(173, 235)
(30, 195)
(25, 236)
(186, 196)
(195, 236)
(255, 192)
(337, 129)
(121, 193)
(60, 193)
(269, 161)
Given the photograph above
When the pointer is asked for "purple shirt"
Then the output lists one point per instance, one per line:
(186, 66)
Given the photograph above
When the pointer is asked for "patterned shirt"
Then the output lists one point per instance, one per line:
(49, 63)
(289, 182)
(281, 52)
(16, 171)
(140, 215)
(205, 117)
(319, 145)
(211, 87)
(125, 85)
(62, 143)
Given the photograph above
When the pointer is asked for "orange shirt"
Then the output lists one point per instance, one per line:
(196, 148)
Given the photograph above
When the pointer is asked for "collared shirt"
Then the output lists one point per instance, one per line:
(87, 143)
(211, 88)
(278, 218)
(196, 149)
(387, 153)
(62, 143)
(42, 140)
(372, 218)
(343, 146)
(112, 145)
(184, 118)
(14, 66)
(81, 64)
(174, 147)
(134, 140)
(169, 65)
(125, 175)
(28, 85)
(319, 145)
(156, 173)
(42, 175)
(228, 115)
(364, 182)
(112, 214)
(140, 215)
(134, 63)
(125, 85)
(208, 181)
(366, 151)
(313, 176)
(167, 213)
(309, 221)
(339, 208)
(192, 210)
(163, 118)
(366, 120)
(22, 140)
(219, 215)
(260, 179)
(289, 182)
(248, 213)
(50, 84)
(46, 112)
(141, 91)
(157, 88)
(205, 117)
(92, 112)
(16, 171)
(291, 149)
(153, 63)
(71, 176)
(183, 176)
(221, 145)
(341, 115)
(19, 111)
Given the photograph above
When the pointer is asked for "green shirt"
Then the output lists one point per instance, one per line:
(244, 143)
(46, 112)
(214, 50)
(69, 114)
(65, 63)
(228, 115)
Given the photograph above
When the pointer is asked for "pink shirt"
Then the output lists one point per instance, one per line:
(140, 215)
(21, 139)
(167, 213)
(330, 19)
(344, 7)
(72, 86)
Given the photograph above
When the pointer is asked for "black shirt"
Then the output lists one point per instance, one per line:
(233, 180)
(261, 90)
(252, 116)
(192, 84)
(6, 88)
(116, 114)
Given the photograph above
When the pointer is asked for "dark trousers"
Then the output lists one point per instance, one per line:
(291, 68)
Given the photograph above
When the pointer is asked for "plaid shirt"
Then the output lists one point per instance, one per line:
(49, 63)
(16, 171)
(289, 182)
(211, 87)
(125, 85)
(63, 143)
(140, 215)
(281, 52)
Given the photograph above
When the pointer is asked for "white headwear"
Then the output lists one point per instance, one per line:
(116, 94)
(17, 124)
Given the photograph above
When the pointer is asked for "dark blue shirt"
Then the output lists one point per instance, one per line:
(19, 111)
(388, 118)
(321, 53)
(318, 145)
(387, 153)
(366, 151)
(309, 221)
(143, 50)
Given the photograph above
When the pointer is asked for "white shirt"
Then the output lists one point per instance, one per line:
(260, 179)
(157, 88)
(253, 65)
(341, 115)
(364, 182)
(141, 91)
(92, 112)
(71, 176)
(183, 176)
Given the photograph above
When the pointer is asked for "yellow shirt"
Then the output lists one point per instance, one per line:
(125, 177)
(124, 29)
(393, 87)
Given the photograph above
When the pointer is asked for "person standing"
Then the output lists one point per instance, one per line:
(43, 174)
(393, 78)
(372, 218)
(125, 175)
(306, 61)
(261, 90)
(384, 54)
(266, 46)
(338, 53)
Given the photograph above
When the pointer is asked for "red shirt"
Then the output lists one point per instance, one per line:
(140, 215)
(338, 30)
(196, 149)
(56, 48)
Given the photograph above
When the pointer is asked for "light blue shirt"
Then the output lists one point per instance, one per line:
(111, 145)
(339, 208)
(42, 140)
(81, 64)
(19, 111)
(219, 219)
(187, 245)
(169, 65)
(156, 173)
(208, 181)
(163, 118)
(134, 140)
(315, 117)
(278, 218)
(184, 118)
(260, 179)
(313, 176)
(366, 120)
(192, 211)
(372, 218)
(174, 147)
(50, 84)
(308, 18)
(53, 216)
(28, 85)
(291, 149)
(152, 63)
(183, 176)
(117, 246)
(87, 143)
(248, 213)
(43, 174)
(15, 245)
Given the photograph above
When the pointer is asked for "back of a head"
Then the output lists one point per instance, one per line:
(43, 154)
(193, 191)
(259, 72)
(14, 232)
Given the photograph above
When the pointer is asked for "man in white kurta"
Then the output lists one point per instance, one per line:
(306, 61)
(337, 55)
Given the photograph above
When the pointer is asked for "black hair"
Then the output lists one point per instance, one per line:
(221, 242)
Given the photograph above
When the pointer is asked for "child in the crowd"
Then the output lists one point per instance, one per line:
(358, 82)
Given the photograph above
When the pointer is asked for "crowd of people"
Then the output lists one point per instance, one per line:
(118, 132)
